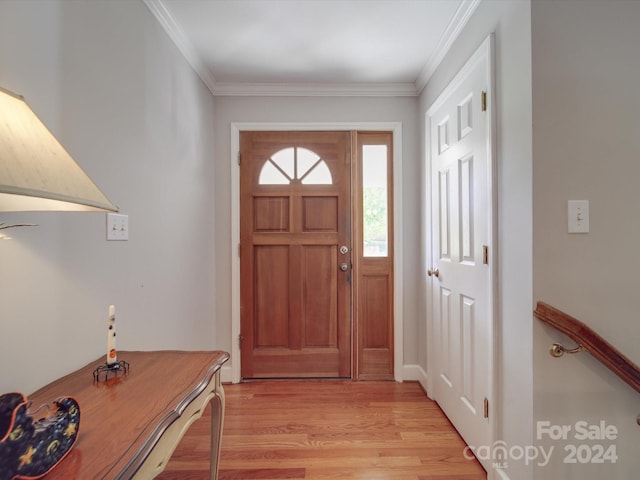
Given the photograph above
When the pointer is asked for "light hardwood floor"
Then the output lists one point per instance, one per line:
(327, 429)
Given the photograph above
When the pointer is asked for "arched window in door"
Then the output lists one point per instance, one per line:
(295, 165)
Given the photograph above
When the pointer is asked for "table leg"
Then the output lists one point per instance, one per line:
(217, 420)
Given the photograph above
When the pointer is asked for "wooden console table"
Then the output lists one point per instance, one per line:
(131, 423)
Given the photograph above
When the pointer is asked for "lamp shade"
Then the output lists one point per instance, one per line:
(36, 172)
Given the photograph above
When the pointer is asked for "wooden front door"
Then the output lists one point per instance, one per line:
(295, 259)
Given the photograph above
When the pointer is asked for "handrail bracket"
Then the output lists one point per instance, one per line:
(558, 350)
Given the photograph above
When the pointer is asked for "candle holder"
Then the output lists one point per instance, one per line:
(114, 368)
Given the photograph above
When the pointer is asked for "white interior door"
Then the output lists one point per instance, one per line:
(461, 275)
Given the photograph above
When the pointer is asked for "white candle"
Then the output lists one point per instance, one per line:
(112, 355)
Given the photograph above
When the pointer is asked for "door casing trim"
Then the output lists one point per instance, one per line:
(396, 129)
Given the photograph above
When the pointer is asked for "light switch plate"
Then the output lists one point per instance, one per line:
(578, 214)
(117, 227)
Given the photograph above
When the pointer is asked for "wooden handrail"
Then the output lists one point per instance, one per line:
(590, 341)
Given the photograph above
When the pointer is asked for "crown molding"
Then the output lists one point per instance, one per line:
(316, 89)
(457, 23)
(168, 23)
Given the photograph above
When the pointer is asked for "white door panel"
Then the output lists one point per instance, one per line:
(461, 228)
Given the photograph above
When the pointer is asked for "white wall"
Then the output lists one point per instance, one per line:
(510, 21)
(109, 83)
(586, 144)
(230, 110)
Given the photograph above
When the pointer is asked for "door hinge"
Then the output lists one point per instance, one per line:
(239, 158)
(239, 247)
(240, 338)
(485, 254)
(486, 408)
(484, 101)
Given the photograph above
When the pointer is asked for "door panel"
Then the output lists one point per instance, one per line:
(271, 214)
(320, 305)
(461, 281)
(271, 301)
(295, 213)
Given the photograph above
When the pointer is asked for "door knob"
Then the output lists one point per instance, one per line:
(344, 267)
(433, 271)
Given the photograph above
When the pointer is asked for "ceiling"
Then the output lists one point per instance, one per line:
(333, 47)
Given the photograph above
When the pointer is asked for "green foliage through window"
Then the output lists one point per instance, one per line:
(375, 221)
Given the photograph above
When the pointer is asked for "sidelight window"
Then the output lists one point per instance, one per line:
(375, 201)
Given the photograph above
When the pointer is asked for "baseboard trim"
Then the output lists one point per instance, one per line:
(500, 475)
(415, 373)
